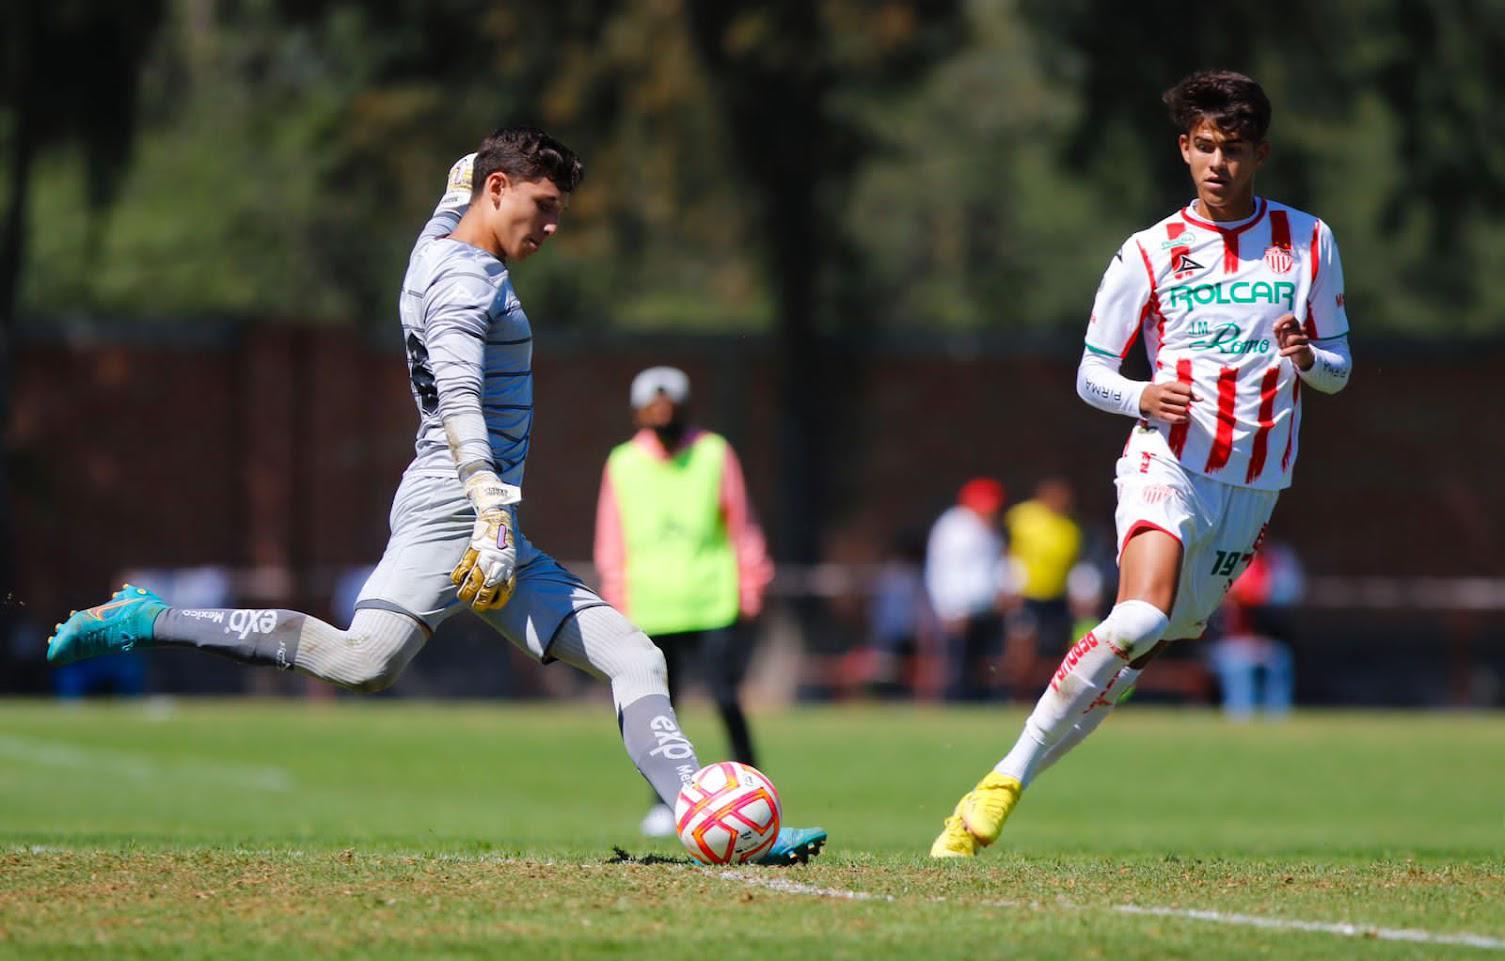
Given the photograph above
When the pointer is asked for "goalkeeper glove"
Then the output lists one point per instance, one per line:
(487, 574)
(457, 187)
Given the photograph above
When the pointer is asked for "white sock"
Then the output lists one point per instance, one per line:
(1130, 629)
(367, 657)
(1097, 712)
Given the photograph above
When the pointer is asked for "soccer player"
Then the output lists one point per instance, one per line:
(679, 551)
(455, 540)
(1239, 301)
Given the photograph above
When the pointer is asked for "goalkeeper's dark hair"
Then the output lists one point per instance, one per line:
(526, 153)
(1234, 104)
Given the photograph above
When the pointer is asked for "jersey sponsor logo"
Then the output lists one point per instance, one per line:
(1238, 292)
(1227, 339)
(1183, 239)
(1339, 298)
(1105, 392)
(1279, 259)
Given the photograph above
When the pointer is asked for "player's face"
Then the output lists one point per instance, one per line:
(1222, 166)
(525, 213)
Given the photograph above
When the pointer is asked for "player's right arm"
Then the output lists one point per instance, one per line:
(1125, 298)
(457, 316)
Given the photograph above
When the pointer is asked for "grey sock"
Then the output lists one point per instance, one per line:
(253, 636)
(662, 753)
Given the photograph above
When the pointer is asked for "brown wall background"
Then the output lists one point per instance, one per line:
(266, 445)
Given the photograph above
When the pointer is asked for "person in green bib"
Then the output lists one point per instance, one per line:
(679, 550)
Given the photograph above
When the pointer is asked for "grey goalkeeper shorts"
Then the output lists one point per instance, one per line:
(431, 526)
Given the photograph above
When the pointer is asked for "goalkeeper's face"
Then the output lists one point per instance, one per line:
(522, 214)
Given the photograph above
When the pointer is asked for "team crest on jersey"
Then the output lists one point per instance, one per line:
(1279, 259)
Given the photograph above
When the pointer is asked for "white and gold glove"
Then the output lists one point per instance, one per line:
(457, 186)
(487, 574)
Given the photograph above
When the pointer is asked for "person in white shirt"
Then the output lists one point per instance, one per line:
(966, 577)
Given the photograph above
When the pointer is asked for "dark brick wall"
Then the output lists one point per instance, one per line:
(279, 445)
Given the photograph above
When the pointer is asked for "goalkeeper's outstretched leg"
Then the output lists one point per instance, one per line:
(368, 656)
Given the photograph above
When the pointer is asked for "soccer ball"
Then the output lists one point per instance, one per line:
(728, 813)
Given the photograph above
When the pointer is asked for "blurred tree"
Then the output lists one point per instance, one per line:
(316, 133)
(971, 163)
(967, 219)
(783, 70)
(1405, 160)
(69, 73)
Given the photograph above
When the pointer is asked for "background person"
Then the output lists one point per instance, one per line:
(678, 548)
(1044, 544)
(966, 576)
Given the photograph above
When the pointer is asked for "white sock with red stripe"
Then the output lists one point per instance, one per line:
(1130, 629)
(1097, 712)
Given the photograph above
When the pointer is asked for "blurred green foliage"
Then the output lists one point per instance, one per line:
(975, 167)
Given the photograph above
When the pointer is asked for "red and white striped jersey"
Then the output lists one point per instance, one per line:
(1205, 297)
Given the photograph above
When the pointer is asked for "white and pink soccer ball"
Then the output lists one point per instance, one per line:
(728, 813)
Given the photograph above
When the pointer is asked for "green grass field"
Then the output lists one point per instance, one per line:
(389, 829)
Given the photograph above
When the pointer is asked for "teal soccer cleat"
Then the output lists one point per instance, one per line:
(794, 846)
(121, 624)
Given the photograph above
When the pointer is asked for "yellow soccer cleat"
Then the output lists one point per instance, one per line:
(955, 841)
(984, 809)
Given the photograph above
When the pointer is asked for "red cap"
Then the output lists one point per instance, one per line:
(982, 494)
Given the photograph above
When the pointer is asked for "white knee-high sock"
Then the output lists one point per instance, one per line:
(367, 657)
(1097, 712)
(1130, 629)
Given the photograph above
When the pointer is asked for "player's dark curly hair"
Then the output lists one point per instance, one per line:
(526, 153)
(1234, 103)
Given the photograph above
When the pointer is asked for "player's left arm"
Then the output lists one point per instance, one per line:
(1319, 347)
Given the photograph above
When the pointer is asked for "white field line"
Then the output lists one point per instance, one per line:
(41, 752)
(786, 886)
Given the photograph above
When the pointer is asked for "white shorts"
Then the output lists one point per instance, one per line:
(1219, 527)
(431, 526)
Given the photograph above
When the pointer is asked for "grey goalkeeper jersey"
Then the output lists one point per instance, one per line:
(470, 356)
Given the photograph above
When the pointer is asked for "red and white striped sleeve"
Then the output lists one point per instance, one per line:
(1125, 298)
(1326, 315)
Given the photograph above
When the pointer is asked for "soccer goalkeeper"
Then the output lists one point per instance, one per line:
(455, 539)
